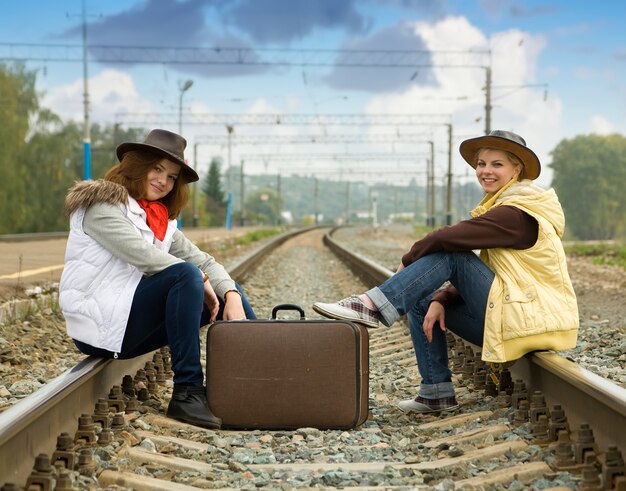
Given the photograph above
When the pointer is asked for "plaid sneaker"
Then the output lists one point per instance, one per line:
(349, 309)
(422, 405)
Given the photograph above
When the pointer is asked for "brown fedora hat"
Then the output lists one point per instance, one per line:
(502, 140)
(164, 143)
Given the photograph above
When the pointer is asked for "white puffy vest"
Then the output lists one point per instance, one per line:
(97, 288)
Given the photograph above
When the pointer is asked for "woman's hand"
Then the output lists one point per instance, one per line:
(233, 308)
(400, 268)
(436, 313)
(211, 301)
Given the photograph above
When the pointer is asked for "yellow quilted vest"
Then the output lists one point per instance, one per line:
(531, 304)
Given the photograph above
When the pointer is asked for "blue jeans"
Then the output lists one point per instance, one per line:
(168, 309)
(409, 292)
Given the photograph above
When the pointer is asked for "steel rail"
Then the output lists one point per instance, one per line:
(585, 396)
(31, 427)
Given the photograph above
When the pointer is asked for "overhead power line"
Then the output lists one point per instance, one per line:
(286, 119)
(330, 139)
(244, 56)
(362, 157)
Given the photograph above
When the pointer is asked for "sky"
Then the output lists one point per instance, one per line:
(558, 70)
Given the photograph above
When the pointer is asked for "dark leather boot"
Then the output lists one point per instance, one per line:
(189, 404)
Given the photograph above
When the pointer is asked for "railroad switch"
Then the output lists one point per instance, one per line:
(43, 475)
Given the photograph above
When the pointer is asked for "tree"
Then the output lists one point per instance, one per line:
(53, 153)
(18, 104)
(589, 175)
(215, 204)
(263, 207)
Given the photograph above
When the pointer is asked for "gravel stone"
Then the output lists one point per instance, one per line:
(35, 350)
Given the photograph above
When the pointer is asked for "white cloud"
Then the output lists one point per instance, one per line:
(601, 126)
(110, 92)
(515, 107)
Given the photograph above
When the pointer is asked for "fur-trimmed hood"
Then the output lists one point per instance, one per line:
(86, 193)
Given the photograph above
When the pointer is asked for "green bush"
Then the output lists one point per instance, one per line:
(257, 235)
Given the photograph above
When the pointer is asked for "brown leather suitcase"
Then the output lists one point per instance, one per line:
(287, 374)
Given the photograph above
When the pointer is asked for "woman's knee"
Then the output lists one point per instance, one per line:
(185, 269)
(421, 307)
(187, 272)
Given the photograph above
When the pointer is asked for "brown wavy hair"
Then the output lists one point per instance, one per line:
(132, 173)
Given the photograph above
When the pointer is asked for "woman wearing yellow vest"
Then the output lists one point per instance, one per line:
(515, 298)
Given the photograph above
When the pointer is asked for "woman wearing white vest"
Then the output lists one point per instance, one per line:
(515, 298)
(132, 281)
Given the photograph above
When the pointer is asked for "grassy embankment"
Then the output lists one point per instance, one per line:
(600, 253)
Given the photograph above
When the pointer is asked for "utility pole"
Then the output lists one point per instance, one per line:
(449, 182)
(241, 198)
(431, 186)
(86, 125)
(316, 193)
(278, 199)
(487, 100)
(229, 209)
(182, 88)
(194, 207)
(229, 128)
(347, 202)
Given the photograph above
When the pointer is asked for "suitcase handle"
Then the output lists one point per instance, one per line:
(288, 306)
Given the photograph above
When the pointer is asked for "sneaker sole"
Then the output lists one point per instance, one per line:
(333, 315)
(426, 411)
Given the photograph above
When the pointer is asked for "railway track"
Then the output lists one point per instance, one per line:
(560, 419)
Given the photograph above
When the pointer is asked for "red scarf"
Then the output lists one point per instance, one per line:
(157, 216)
